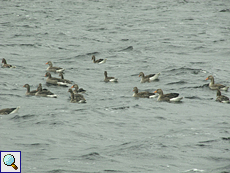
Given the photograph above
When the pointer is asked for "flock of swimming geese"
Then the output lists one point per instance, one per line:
(77, 97)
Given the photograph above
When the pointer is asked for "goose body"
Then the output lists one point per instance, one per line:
(55, 81)
(76, 98)
(171, 97)
(54, 69)
(109, 79)
(148, 78)
(28, 92)
(214, 86)
(44, 92)
(221, 98)
(99, 61)
(143, 94)
(9, 110)
(5, 65)
(77, 90)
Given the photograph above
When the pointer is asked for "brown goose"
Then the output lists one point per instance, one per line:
(44, 92)
(28, 92)
(5, 65)
(148, 78)
(9, 110)
(54, 69)
(214, 86)
(109, 79)
(76, 98)
(61, 75)
(143, 94)
(171, 97)
(43, 89)
(221, 98)
(99, 61)
(56, 81)
(77, 90)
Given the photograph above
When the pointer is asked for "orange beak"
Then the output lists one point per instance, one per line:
(45, 75)
(206, 78)
(71, 86)
(155, 91)
(47, 63)
(23, 85)
(139, 75)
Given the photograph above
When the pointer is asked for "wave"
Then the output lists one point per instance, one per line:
(92, 156)
(34, 145)
(64, 171)
(127, 49)
(225, 10)
(193, 97)
(22, 45)
(226, 139)
(200, 86)
(186, 69)
(123, 107)
(208, 141)
(112, 170)
(179, 82)
(92, 53)
(16, 117)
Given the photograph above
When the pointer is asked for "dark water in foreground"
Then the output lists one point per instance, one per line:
(113, 132)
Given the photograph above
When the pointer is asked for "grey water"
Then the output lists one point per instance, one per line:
(184, 40)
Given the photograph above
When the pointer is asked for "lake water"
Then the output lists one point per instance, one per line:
(186, 41)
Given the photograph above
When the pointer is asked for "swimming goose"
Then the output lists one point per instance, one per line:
(56, 81)
(148, 78)
(221, 98)
(43, 89)
(99, 61)
(109, 79)
(76, 98)
(28, 92)
(54, 69)
(62, 77)
(9, 110)
(214, 86)
(44, 92)
(5, 65)
(171, 97)
(143, 94)
(77, 90)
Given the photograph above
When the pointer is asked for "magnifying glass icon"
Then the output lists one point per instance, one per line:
(9, 160)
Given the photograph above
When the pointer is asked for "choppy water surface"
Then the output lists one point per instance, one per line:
(113, 132)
